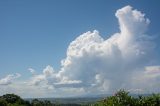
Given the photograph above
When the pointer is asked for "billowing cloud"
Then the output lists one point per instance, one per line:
(107, 65)
(9, 79)
(95, 64)
(98, 65)
(49, 77)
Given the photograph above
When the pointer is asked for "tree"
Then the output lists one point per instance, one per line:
(47, 103)
(121, 98)
(36, 102)
(12, 98)
(3, 102)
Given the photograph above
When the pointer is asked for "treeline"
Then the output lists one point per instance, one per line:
(121, 98)
(14, 100)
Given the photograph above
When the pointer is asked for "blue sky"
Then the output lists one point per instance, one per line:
(34, 34)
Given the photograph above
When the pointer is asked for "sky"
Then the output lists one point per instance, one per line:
(82, 46)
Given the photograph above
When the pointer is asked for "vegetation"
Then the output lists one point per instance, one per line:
(12, 100)
(121, 98)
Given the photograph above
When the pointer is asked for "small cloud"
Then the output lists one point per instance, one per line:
(32, 71)
(48, 70)
(9, 79)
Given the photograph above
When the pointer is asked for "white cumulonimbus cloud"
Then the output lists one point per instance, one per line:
(107, 64)
(94, 64)
(98, 65)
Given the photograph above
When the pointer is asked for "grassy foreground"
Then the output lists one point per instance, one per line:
(121, 98)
